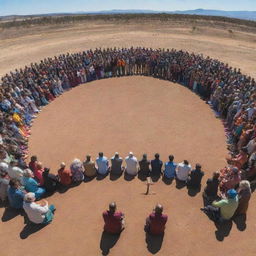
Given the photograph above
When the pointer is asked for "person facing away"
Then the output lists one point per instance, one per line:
(131, 164)
(33, 163)
(156, 166)
(155, 223)
(144, 165)
(116, 164)
(182, 170)
(113, 219)
(37, 212)
(89, 167)
(195, 177)
(102, 164)
(211, 189)
(77, 170)
(15, 194)
(65, 175)
(50, 180)
(170, 168)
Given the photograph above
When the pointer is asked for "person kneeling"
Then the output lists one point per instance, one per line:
(155, 223)
(114, 221)
(38, 212)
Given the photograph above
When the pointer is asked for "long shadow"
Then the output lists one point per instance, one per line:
(11, 213)
(180, 184)
(154, 243)
(101, 177)
(63, 189)
(167, 181)
(240, 221)
(30, 229)
(223, 230)
(192, 191)
(88, 179)
(108, 241)
(128, 177)
(115, 176)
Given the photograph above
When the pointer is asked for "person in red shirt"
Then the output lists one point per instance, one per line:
(65, 175)
(155, 223)
(33, 163)
(114, 220)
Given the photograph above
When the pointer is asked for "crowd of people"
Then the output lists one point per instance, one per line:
(24, 92)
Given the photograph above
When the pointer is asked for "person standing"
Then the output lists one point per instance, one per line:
(131, 164)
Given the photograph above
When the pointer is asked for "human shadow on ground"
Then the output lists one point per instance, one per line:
(180, 184)
(167, 181)
(155, 178)
(101, 177)
(30, 229)
(240, 221)
(193, 191)
(115, 176)
(223, 230)
(63, 189)
(142, 176)
(154, 243)
(108, 241)
(10, 213)
(88, 179)
(128, 177)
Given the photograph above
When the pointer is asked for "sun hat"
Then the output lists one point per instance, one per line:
(231, 193)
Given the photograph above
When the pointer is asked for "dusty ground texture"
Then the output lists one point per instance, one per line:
(136, 113)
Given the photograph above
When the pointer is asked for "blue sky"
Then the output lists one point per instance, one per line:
(48, 6)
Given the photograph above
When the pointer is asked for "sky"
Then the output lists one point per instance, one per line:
(8, 7)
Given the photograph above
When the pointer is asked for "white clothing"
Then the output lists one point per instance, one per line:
(182, 171)
(36, 213)
(131, 165)
(4, 166)
(15, 172)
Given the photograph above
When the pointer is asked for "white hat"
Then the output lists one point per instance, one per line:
(30, 197)
(130, 154)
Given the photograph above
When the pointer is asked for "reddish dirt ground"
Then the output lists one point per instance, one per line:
(143, 115)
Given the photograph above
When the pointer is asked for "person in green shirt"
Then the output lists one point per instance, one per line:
(224, 209)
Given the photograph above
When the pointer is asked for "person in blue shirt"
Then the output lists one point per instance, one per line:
(102, 164)
(31, 185)
(15, 194)
(170, 168)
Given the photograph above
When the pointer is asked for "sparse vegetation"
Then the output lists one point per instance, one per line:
(26, 21)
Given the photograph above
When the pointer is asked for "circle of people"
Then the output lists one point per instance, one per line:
(232, 96)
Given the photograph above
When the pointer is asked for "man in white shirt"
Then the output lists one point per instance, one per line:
(182, 170)
(102, 164)
(38, 212)
(131, 164)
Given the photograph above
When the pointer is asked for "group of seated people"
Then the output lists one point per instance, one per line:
(22, 187)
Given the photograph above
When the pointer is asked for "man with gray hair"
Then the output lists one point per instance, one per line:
(38, 212)
(131, 164)
(116, 164)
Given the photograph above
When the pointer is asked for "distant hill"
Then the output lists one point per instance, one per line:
(246, 15)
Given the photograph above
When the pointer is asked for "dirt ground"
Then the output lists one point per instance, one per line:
(141, 114)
